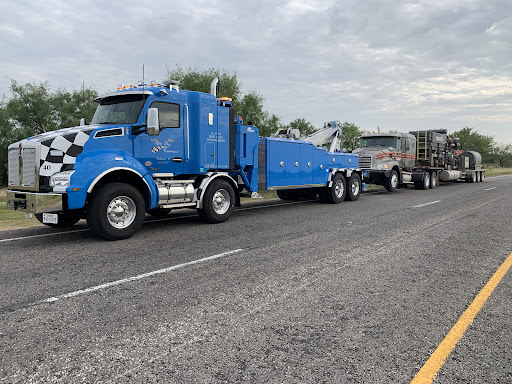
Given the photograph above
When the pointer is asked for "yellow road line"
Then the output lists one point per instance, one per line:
(429, 371)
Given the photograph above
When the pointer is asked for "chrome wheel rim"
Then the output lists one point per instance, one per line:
(121, 212)
(221, 201)
(394, 180)
(338, 188)
(427, 181)
(355, 187)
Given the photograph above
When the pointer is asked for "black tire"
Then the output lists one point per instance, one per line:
(336, 193)
(115, 211)
(434, 180)
(65, 220)
(354, 187)
(218, 202)
(391, 182)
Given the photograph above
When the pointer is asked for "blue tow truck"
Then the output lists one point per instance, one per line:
(154, 147)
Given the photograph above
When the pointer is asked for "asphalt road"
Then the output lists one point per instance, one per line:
(360, 292)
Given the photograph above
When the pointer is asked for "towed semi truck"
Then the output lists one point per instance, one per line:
(421, 158)
(152, 148)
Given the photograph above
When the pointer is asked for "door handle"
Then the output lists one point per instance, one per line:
(177, 159)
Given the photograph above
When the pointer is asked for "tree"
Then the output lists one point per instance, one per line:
(471, 140)
(305, 127)
(270, 125)
(503, 155)
(249, 105)
(350, 132)
(193, 79)
(250, 108)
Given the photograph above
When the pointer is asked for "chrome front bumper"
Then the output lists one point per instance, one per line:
(32, 202)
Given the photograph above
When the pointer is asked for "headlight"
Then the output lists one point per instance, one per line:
(382, 166)
(61, 179)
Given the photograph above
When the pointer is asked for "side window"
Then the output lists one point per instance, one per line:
(168, 113)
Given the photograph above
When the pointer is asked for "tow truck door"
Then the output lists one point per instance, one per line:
(163, 153)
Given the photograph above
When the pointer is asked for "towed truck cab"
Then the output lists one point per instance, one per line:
(382, 156)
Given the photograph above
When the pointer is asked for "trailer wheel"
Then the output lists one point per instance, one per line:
(336, 193)
(353, 187)
(473, 177)
(116, 211)
(482, 176)
(424, 183)
(434, 180)
(218, 202)
(391, 182)
(65, 220)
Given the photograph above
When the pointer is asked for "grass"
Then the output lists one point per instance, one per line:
(496, 171)
(10, 219)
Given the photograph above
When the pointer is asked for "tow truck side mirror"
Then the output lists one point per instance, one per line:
(153, 122)
(353, 144)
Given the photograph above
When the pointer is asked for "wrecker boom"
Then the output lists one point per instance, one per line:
(329, 135)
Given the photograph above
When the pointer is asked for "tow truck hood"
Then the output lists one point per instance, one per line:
(56, 151)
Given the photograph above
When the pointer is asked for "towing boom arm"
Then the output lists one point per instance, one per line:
(330, 135)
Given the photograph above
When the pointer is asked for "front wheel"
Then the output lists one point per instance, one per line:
(218, 202)
(116, 211)
(353, 187)
(391, 182)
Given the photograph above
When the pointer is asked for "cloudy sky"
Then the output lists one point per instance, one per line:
(401, 65)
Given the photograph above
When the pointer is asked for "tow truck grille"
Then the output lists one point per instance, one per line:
(365, 162)
(22, 169)
(29, 167)
(14, 167)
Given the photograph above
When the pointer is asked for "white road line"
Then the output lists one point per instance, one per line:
(422, 205)
(43, 235)
(488, 189)
(138, 277)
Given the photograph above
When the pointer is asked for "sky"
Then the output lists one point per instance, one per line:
(398, 65)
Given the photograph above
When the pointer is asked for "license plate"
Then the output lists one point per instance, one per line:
(50, 218)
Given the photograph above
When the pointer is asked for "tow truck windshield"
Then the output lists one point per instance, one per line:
(381, 141)
(123, 109)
